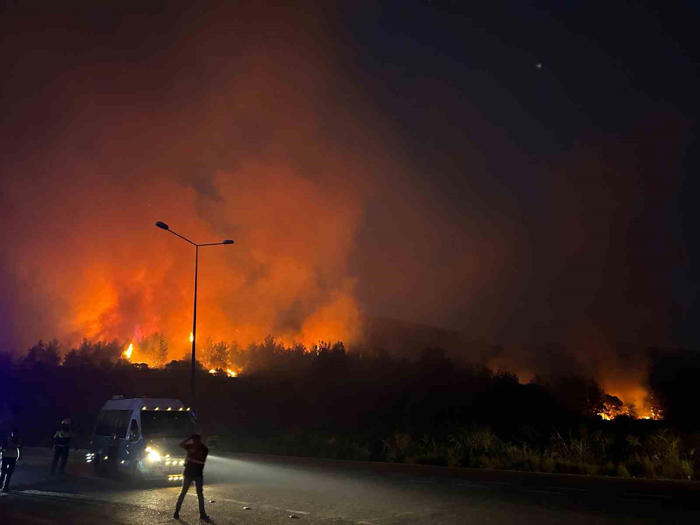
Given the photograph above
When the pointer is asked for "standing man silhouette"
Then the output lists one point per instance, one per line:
(61, 444)
(194, 469)
(10, 452)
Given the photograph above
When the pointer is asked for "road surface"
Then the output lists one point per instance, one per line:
(259, 490)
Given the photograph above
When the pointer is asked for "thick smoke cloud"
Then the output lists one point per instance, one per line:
(353, 188)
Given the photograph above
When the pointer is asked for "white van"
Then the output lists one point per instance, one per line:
(140, 437)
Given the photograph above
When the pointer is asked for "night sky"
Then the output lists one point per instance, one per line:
(524, 172)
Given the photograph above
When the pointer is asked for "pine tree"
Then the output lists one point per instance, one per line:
(162, 354)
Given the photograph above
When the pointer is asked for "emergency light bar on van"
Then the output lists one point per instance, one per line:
(169, 408)
(162, 404)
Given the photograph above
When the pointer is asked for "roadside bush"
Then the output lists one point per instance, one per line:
(621, 471)
(398, 447)
(429, 452)
(472, 446)
(658, 455)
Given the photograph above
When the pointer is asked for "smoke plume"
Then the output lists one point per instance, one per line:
(353, 189)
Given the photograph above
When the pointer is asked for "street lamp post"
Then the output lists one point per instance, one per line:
(194, 310)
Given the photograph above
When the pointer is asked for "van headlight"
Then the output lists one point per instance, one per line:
(152, 455)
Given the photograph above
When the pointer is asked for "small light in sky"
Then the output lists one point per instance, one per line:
(538, 65)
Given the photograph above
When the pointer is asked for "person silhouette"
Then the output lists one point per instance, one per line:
(194, 469)
(10, 452)
(61, 444)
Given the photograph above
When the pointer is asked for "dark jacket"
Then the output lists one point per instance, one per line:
(196, 457)
(11, 447)
(61, 439)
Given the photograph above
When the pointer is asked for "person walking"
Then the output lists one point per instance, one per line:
(61, 444)
(10, 452)
(194, 469)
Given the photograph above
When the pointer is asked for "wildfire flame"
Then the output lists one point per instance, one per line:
(129, 350)
(614, 406)
(191, 337)
(229, 372)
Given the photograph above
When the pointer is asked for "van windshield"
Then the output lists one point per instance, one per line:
(167, 424)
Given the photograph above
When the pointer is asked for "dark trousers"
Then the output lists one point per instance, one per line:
(186, 482)
(8, 467)
(59, 453)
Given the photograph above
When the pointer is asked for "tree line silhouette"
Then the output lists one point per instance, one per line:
(370, 405)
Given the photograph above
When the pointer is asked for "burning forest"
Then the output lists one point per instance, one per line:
(232, 360)
(431, 409)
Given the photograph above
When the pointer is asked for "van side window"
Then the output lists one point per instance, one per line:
(111, 422)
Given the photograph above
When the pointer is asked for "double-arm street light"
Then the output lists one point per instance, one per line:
(194, 311)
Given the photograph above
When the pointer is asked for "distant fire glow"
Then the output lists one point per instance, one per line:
(614, 407)
(228, 372)
(191, 337)
(127, 353)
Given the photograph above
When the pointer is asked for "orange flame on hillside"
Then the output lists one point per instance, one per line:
(629, 396)
(635, 402)
(129, 350)
(228, 372)
(624, 395)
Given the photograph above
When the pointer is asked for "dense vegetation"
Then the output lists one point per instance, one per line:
(328, 402)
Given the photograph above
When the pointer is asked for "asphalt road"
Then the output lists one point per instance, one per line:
(268, 490)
